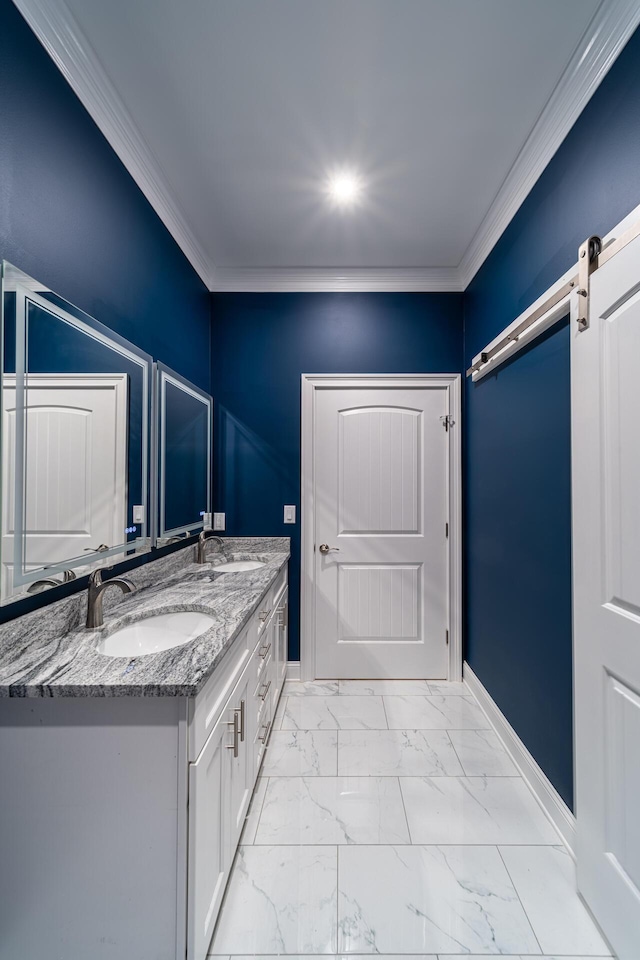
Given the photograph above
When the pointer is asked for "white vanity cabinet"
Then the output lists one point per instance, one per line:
(124, 813)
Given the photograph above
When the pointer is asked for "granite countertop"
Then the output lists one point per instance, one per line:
(50, 653)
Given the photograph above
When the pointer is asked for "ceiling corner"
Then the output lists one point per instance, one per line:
(60, 35)
(596, 51)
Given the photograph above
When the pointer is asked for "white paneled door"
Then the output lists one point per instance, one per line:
(606, 505)
(74, 491)
(381, 510)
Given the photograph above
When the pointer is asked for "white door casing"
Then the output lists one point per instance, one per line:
(75, 495)
(380, 482)
(606, 597)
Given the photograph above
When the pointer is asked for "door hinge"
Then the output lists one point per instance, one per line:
(446, 530)
(447, 638)
(447, 422)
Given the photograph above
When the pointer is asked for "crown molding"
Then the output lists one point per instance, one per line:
(611, 26)
(335, 280)
(60, 35)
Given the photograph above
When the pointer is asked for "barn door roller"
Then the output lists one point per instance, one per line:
(587, 262)
(593, 255)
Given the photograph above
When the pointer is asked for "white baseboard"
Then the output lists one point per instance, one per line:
(293, 670)
(543, 790)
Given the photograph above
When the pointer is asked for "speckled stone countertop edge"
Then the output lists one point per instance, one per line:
(69, 666)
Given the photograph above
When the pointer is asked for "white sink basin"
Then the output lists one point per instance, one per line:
(154, 634)
(237, 566)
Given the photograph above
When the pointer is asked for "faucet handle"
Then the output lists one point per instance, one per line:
(95, 577)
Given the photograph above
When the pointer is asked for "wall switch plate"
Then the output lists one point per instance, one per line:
(219, 521)
(289, 513)
(138, 513)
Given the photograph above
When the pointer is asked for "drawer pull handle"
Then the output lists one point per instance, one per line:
(236, 733)
(242, 711)
(264, 615)
(263, 696)
(264, 650)
(266, 729)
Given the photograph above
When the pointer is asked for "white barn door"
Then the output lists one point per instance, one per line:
(381, 474)
(606, 515)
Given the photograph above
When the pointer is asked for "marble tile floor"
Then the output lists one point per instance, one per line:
(389, 820)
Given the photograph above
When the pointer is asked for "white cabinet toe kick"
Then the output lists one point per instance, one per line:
(120, 817)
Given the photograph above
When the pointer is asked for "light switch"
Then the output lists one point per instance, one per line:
(206, 520)
(138, 513)
(218, 521)
(289, 513)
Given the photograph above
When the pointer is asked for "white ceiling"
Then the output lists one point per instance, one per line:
(243, 107)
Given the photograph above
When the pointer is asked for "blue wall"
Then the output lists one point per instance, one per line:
(261, 344)
(71, 216)
(517, 428)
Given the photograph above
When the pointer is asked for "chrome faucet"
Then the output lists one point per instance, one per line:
(201, 546)
(95, 617)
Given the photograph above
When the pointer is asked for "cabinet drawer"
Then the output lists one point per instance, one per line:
(263, 730)
(264, 654)
(267, 606)
(281, 586)
(205, 709)
(265, 684)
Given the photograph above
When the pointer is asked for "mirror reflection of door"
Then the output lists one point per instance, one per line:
(73, 496)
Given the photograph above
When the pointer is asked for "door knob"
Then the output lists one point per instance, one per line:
(325, 548)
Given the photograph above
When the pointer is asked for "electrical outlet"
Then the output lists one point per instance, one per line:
(289, 513)
(219, 521)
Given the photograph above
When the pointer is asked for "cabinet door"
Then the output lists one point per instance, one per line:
(208, 854)
(220, 785)
(238, 778)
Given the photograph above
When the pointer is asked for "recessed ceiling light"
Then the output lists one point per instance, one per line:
(344, 189)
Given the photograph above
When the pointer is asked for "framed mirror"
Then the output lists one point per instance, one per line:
(75, 439)
(184, 455)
